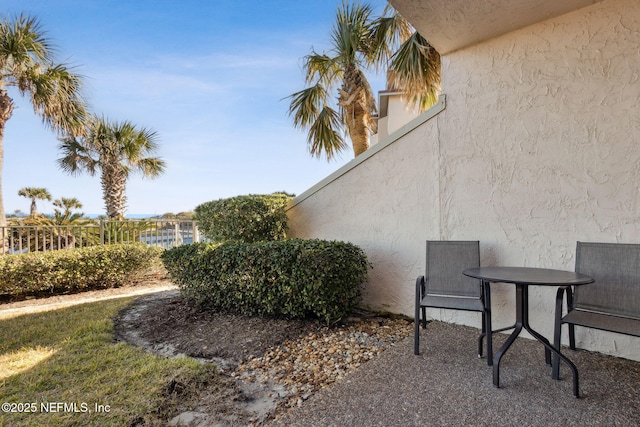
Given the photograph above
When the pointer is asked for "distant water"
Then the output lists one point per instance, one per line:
(129, 216)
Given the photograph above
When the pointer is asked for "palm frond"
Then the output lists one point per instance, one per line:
(55, 95)
(388, 32)
(76, 157)
(415, 68)
(67, 203)
(324, 134)
(150, 167)
(351, 32)
(35, 193)
(321, 69)
(306, 105)
(27, 62)
(22, 43)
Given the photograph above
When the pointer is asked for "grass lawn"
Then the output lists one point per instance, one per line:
(63, 368)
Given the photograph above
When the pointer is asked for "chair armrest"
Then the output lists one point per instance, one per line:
(420, 284)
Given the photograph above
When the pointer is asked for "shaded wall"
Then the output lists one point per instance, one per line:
(538, 147)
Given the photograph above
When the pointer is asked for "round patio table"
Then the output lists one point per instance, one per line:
(522, 277)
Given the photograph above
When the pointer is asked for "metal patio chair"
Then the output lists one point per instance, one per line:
(444, 286)
(611, 302)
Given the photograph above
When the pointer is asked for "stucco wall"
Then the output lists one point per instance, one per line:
(538, 147)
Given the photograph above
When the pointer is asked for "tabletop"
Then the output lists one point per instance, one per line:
(528, 276)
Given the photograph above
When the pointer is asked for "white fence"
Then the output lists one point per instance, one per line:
(38, 238)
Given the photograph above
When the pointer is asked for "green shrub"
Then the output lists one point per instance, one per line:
(249, 219)
(74, 270)
(292, 278)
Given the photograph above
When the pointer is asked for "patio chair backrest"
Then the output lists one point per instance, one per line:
(445, 262)
(615, 267)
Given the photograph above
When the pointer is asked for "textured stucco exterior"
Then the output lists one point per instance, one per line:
(450, 25)
(538, 147)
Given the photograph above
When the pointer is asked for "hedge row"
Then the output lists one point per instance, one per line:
(292, 278)
(251, 218)
(74, 270)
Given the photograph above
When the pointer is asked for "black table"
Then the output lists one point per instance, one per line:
(522, 277)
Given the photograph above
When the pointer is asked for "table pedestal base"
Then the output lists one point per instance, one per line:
(522, 322)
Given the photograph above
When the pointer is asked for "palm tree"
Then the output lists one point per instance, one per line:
(359, 43)
(34, 193)
(69, 224)
(116, 150)
(27, 63)
(64, 230)
(64, 206)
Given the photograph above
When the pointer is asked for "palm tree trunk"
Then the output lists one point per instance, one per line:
(4, 241)
(359, 130)
(113, 181)
(3, 217)
(353, 100)
(6, 110)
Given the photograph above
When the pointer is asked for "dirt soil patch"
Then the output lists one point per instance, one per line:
(208, 335)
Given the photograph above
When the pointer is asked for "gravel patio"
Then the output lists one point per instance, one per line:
(447, 385)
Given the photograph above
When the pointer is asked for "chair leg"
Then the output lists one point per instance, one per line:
(557, 334)
(555, 364)
(482, 335)
(486, 292)
(416, 337)
(416, 331)
(572, 336)
(416, 327)
(572, 328)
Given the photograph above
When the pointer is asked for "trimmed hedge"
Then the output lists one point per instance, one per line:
(252, 218)
(63, 271)
(292, 278)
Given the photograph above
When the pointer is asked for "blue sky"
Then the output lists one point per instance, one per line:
(209, 76)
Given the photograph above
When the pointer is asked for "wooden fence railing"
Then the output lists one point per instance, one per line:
(38, 238)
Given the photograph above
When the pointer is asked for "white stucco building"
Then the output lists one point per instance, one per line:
(534, 145)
